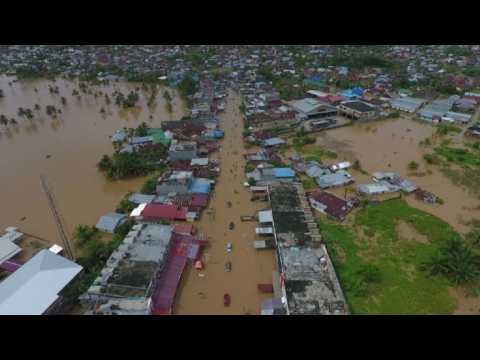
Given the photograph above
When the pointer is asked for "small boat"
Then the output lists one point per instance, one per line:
(226, 299)
(229, 247)
(231, 226)
(228, 266)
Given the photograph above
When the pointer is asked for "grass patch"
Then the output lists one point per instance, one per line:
(458, 156)
(309, 183)
(316, 153)
(400, 285)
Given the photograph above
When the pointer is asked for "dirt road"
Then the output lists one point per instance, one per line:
(201, 292)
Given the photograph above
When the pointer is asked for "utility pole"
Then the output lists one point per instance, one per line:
(58, 220)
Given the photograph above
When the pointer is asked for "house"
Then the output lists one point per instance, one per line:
(177, 186)
(137, 198)
(110, 222)
(272, 142)
(330, 204)
(141, 140)
(8, 248)
(159, 136)
(183, 150)
(158, 212)
(200, 186)
(339, 178)
(381, 187)
(311, 108)
(407, 104)
(357, 110)
(265, 217)
(353, 93)
(473, 131)
(36, 287)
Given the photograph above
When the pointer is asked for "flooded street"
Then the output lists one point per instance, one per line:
(389, 146)
(66, 151)
(201, 292)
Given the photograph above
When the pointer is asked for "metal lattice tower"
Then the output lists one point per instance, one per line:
(58, 219)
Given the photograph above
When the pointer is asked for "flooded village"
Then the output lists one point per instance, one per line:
(241, 180)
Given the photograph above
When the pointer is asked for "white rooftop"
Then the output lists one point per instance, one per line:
(34, 287)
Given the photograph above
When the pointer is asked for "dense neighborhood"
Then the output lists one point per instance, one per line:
(330, 226)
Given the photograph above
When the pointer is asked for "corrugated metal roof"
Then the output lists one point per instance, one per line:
(283, 172)
(33, 288)
(109, 222)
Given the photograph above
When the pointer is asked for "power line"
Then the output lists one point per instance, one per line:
(58, 220)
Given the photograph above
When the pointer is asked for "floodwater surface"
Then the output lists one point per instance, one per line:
(65, 150)
(389, 146)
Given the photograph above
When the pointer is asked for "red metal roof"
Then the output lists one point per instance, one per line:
(336, 207)
(199, 200)
(161, 211)
(184, 229)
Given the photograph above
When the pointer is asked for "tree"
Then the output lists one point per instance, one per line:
(3, 120)
(63, 100)
(1, 93)
(413, 165)
(141, 130)
(37, 107)
(13, 121)
(456, 261)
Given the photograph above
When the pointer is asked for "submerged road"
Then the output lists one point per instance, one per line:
(201, 292)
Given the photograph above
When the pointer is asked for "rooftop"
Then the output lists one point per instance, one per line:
(41, 278)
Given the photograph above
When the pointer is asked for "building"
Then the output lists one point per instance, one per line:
(311, 108)
(125, 283)
(36, 287)
(353, 93)
(407, 104)
(157, 212)
(184, 150)
(309, 285)
(8, 248)
(330, 204)
(110, 222)
(336, 179)
(357, 110)
(272, 142)
(381, 187)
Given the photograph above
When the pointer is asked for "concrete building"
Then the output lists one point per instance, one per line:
(126, 280)
(357, 110)
(309, 284)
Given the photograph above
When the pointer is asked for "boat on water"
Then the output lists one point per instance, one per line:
(228, 266)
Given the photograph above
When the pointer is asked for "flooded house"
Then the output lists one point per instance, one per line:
(182, 150)
(407, 104)
(8, 246)
(330, 204)
(264, 175)
(110, 222)
(310, 108)
(334, 179)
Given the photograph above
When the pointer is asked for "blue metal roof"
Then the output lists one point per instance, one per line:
(200, 186)
(284, 172)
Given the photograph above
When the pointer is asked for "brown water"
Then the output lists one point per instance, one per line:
(389, 146)
(204, 294)
(75, 141)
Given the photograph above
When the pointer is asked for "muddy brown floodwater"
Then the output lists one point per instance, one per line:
(201, 292)
(389, 146)
(74, 143)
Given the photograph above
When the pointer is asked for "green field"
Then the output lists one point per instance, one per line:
(381, 272)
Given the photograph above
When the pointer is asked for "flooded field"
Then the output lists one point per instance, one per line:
(66, 151)
(202, 291)
(389, 146)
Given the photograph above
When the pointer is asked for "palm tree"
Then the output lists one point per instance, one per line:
(1, 93)
(13, 121)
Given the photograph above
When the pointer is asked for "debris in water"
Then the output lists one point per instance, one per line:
(48, 156)
(23, 218)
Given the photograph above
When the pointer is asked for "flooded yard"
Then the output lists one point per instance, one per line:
(65, 150)
(201, 292)
(389, 146)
